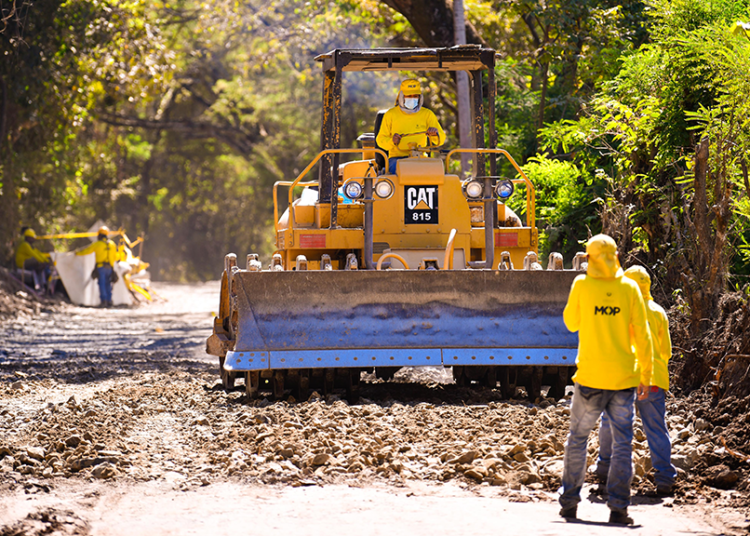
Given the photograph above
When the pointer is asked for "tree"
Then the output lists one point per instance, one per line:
(433, 21)
(669, 134)
(58, 58)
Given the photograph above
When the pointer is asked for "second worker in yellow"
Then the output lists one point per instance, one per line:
(106, 256)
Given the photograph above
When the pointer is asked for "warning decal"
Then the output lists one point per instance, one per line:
(312, 241)
(506, 240)
(421, 204)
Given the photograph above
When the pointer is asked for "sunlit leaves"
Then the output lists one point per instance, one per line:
(565, 204)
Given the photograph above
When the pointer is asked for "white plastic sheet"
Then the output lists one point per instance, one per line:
(75, 274)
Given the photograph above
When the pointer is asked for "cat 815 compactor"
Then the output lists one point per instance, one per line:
(377, 271)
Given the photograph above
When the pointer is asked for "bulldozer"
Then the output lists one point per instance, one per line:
(375, 271)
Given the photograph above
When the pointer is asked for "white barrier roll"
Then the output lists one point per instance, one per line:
(75, 274)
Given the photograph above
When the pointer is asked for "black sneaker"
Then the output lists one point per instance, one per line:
(569, 513)
(620, 518)
(664, 490)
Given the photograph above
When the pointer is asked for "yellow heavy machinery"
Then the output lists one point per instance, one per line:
(377, 271)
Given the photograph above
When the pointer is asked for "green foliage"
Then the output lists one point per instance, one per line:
(566, 205)
(175, 118)
(515, 108)
(691, 81)
(59, 59)
(171, 119)
(575, 47)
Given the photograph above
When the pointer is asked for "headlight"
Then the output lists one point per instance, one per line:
(504, 189)
(473, 189)
(384, 189)
(353, 190)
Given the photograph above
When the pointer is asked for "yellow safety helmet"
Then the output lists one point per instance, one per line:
(411, 87)
(104, 230)
(29, 233)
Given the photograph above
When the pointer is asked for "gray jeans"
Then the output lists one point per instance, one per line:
(588, 404)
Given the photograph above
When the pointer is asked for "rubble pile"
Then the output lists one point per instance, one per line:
(179, 425)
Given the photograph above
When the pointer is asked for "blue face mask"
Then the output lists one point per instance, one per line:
(411, 102)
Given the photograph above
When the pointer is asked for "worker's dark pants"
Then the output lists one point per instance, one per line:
(41, 271)
(392, 161)
(105, 284)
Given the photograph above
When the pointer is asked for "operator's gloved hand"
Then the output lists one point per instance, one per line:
(432, 131)
(396, 139)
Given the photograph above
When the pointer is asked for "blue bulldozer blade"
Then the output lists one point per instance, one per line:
(393, 318)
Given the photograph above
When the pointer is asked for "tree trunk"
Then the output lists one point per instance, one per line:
(433, 21)
(704, 252)
(462, 89)
(8, 199)
(3, 110)
(543, 75)
(696, 287)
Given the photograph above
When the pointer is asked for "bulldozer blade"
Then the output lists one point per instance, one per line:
(322, 319)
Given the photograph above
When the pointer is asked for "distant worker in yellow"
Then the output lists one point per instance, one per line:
(106, 256)
(408, 124)
(30, 258)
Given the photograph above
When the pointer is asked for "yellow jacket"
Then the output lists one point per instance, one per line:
(396, 121)
(105, 250)
(662, 343)
(603, 311)
(26, 251)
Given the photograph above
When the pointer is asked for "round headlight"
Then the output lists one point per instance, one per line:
(384, 189)
(353, 190)
(504, 189)
(474, 189)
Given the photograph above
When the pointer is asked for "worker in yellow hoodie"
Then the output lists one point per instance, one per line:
(30, 258)
(652, 409)
(106, 254)
(605, 307)
(408, 124)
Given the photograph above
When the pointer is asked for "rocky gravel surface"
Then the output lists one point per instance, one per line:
(149, 407)
(151, 416)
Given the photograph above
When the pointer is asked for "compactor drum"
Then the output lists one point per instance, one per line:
(377, 271)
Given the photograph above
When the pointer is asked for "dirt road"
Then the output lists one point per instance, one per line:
(113, 422)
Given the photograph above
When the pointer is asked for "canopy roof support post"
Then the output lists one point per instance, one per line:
(324, 175)
(478, 127)
(481, 171)
(491, 96)
(336, 137)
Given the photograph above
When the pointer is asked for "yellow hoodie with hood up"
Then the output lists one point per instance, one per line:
(658, 324)
(605, 308)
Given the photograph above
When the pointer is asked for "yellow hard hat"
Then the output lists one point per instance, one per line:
(29, 233)
(640, 276)
(103, 229)
(411, 87)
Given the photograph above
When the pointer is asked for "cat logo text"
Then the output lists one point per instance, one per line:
(421, 204)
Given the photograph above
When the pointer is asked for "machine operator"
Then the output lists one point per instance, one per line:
(408, 124)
